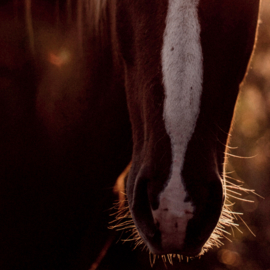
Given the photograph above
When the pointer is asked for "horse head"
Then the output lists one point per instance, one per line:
(183, 62)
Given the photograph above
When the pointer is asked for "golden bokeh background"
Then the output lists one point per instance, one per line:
(250, 143)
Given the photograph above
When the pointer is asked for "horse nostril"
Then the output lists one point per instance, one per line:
(188, 212)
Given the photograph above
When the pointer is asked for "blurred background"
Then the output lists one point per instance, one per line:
(250, 142)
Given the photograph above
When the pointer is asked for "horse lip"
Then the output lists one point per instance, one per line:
(189, 252)
(155, 246)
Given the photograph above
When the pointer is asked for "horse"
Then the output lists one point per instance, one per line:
(183, 63)
(171, 69)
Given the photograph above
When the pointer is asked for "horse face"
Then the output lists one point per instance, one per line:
(184, 61)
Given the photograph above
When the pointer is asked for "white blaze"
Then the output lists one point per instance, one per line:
(182, 66)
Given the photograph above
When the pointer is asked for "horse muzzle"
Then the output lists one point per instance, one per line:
(174, 221)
